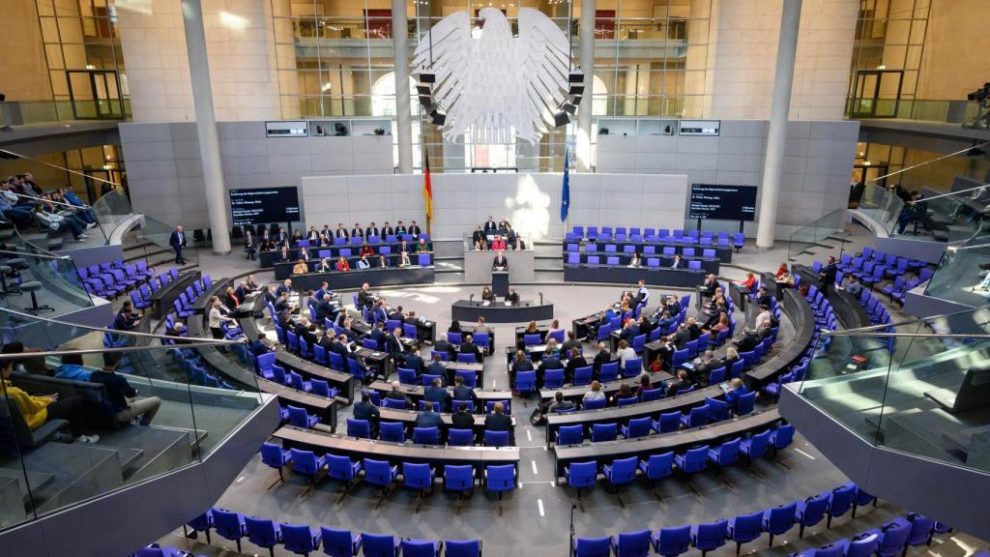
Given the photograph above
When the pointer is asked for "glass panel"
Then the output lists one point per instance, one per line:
(807, 237)
(174, 410)
(882, 205)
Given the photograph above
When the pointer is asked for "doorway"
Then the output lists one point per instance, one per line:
(95, 94)
(876, 94)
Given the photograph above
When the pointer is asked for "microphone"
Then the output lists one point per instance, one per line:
(541, 298)
(471, 297)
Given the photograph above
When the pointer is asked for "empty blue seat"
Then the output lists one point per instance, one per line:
(637, 427)
(229, 525)
(496, 438)
(581, 475)
(418, 476)
(921, 529)
(300, 418)
(343, 469)
(756, 445)
(381, 474)
(593, 547)
(500, 479)
(392, 431)
(420, 548)
(778, 520)
(632, 544)
(426, 436)
(725, 454)
(300, 538)
(745, 528)
(380, 545)
(307, 463)
(358, 428)
(893, 538)
(553, 378)
(570, 435)
(863, 545)
(263, 533)
(201, 523)
(621, 472)
(840, 502)
(694, 460)
(811, 511)
(275, 456)
(671, 542)
(459, 478)
(658, 466)
(604, 432)
(668, 422)
(709, 536)
(462, 548)
(460, 437)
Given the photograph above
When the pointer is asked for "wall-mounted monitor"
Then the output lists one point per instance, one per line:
(287, 129)
(264, 205)
(722, 202)
(699, 127)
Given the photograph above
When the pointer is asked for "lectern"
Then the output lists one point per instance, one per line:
(500, 283)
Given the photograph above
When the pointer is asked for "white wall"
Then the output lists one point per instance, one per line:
(530, 201)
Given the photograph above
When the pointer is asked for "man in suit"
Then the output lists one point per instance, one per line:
(259, 346)
(500, 263)
(414, 361)
(395, 393)
(414, 229)
(377, 334)
(365, 410)
(338, 345)
(341, 232)
(313, 235)
(323, 289)
(462, 419)
(178, 241)
(682, 336)
(498, 421)
(463, 392)
(490, 226)
(365, 298)
(437, 395)
(666, 351)
(602, 357)
(827, 275)
(387, 229)
(571, 343)
(748, 341)
(552, 362)
(324, 309)
(443, 346)
(372, 230)
(575, 361)
(357, 231)
(436, 366)
(429, 418)
(400, 228)
(393, 344)
(469, 347)
(379, 313)
(674, 306)
(709, 286)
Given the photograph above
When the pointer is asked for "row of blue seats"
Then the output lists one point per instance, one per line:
(301, 539)
(370, 240)
(574, 259)
(396, 432)
(111, 279)
(157, 550)
(900, 287)
(677, 235)
(383, 474)
(646, 250)
(889, 541)
(183, 305)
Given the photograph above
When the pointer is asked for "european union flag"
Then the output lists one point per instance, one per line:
(565, 195)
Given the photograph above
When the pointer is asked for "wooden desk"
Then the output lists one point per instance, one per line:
(325, 408)
(397, 453)
(408, 418)
(338, 379)
(641, 447)
(416, 392)
(798, 311)
(162, 299)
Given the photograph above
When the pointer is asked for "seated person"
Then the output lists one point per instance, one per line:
(602, 357)
(783, 277)
(625, 353)
(429, 417)
(487, 295)
(681, 381)
(736, 389)
(595, 393)
(463, 392)
(72, 368)
(395, 393)
(749, 282)
(127, 319)
(259, 346)
(37, 410)
(324, 266)
(497, 420)
(436, 394)
(462, 419)
(575, 361)
(363, 262)
(478, 239)
(422, 246)
(625, 391)
(513, 297)
(635, 261)
(853, 286)
(366, 250)
(382, 261)
(126, 404)
(342, 264)
(404, 259)
(365, 410)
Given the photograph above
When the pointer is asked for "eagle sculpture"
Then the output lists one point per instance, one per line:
(493, 84)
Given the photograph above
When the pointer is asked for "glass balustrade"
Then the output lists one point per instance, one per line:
(811, 235)
(28, 113)
(959, 276)
(881, 205)
(200, 392)
(921, 389)
(37, 282)
(158, 234)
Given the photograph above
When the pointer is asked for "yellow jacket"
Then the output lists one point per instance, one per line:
(34, 409)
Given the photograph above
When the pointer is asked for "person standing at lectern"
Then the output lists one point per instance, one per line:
(500, 263)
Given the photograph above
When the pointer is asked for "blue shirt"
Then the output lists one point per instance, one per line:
(74, 372)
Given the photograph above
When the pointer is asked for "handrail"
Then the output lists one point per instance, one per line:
(961, 151)
(41, 255)
(909, 322)
(952, 193)
(52, 201)
(851, 333)
(84, 175)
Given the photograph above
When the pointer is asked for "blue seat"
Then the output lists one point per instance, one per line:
(419, 477)
(593, 404)
(697, 416)
(671, 542)
(380, 545)
(621, 472)
(381, 474)
(921, 529)
(496, 438)
(863, 545)
(322, 388)
(593, 547)
(633, 367)
(340, 543)
(626, 401)
(459, 478)
(460, 437)
(893, 538)
(668, 422)
(300, 538)
(358, 428)
(275, 456)
(811, 511)
(604, 432)
(467, 358)
(837, 549)
(658, 466)
(581, 475)
(782, 437)
(778, 520)
(637, 427)
(582, 375)
(632, 544)
(229, 525)
(745, 404)
(718, 409)
(526, 382)
(745, 528)
(840, 501)
(553, 378)
(651, 394)
(609, 372)
(725, 454)
(307, 463)
(532, 339)
(426, 436)
(756, 445)
(342, 468)
(263, 533)
(420, 548)
(570, 435)
(300, 418)
(392, 431)
(201, 523)
(462, 548)
(694, 460)
(500, 479)
(709, 536)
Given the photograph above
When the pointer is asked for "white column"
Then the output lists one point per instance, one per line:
(587, 57)
(790, 21)
(206, 125)
(403, 119)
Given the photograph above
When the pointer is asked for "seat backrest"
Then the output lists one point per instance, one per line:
(358, 428)
(633, 543)
(841, 499)
(603, 432)
(460, 437)
(781, 518)
(673, 541)
(379, 545)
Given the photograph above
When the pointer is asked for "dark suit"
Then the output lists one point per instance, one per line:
(341, 233)
(357, 232)
(500, 262)
(827, 277)
(370, 231)
(438, 395)
(470, 348)
(415, 362)
(462, 420)
(366, 411)
(572, 365)
(498, 422)
(429, 419)
(602, 357)
(436, 368)
(464, 392)
(178, 241)
(415, 230)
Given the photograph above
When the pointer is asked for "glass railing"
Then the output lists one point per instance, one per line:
(881, 205)
(923, 391)
(112, 208)
(942, 111)
(960, 276)
(159, 233)
(38, 282)
(27, 113)
(64, 441)
(807, 237)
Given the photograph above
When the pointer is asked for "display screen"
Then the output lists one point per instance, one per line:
(721, 202)
(264, 205)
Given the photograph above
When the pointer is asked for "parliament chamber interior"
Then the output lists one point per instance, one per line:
(450, 278)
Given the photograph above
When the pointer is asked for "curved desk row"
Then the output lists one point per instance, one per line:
(680, 278)
(498, 312)
(641, 447)
(576, 393)
(408, 418)
(802, 318)
(723, 253)
(325, 408)
(163, 298)
(417, 392)
(846, 307)
(343, 280)
(396, 453)
(216, 289)
(649, 262)
(343, 382)
(269, 258)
